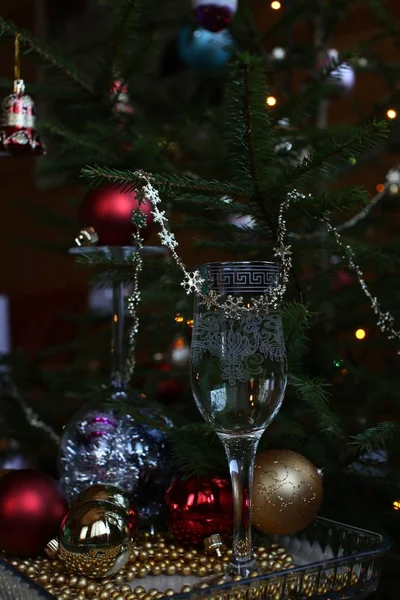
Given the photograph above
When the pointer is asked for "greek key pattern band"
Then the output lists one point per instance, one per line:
(242, 278)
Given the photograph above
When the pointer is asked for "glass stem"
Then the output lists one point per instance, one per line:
(241, 453)
(118, 382)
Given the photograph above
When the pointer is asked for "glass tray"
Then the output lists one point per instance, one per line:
(333, 562)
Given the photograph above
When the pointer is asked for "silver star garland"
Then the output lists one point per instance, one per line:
(192, 281)
(139, 218)
(385, 321)
(30, 414)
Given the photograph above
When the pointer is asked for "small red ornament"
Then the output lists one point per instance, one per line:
(109, 211)
(32, 507)
(120, 98)
(198, 508)
(17, 133)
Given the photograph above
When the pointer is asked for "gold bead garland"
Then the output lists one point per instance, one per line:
(153, 555)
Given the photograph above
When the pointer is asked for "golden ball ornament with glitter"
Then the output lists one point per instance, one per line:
(287, 492)
(105, 492)
(94, 539)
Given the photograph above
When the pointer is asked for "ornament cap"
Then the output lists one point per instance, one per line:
(87, 237)
(19, 86)
(214, 545)
(52, 549)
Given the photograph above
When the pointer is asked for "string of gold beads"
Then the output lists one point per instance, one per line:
(153, 555)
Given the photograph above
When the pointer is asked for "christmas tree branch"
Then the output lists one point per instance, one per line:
(325, 162)
(375, 438)
(313, 393)
(98, 150)
(131, 180)
(8, 27)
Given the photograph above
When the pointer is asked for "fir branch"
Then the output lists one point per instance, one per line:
(375, 438)
(313, 393)
(257, 124)
(196, 450)
(334, 152)
(131, 180)
(297, 320)
(122, 17)
(8, 27)
(76, 141)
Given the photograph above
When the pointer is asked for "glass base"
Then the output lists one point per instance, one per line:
(118, 252)
(235, 572)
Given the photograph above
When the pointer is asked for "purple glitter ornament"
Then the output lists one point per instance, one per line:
(213, 17)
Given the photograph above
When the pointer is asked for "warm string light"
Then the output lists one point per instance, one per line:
(271, 101)
(276, 5)
(391, 114)
(396, 505)
(360, 334)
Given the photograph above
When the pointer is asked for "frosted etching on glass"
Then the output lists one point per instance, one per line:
(241, 345)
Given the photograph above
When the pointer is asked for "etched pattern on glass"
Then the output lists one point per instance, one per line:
(241, 346)
(239, 278)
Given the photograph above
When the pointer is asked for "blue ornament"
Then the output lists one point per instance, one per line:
(205, 50)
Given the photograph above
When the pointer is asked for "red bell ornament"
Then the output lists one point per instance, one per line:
(198, 508)
(109, 210)
(17, 134)
(32, 507)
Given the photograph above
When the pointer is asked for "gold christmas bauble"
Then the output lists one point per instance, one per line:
(94, 539)
(287, 492)
(106, 493)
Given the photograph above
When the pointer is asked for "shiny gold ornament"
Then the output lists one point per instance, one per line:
(94, 539)
(287, 492)
(105, 492)
(87, 237)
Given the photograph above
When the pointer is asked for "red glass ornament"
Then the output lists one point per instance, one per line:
(32, 507)
(198, 508)
(109, 211)
(213, 17)
(17, 134)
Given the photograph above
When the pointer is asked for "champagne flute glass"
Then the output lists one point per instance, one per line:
(239, 375)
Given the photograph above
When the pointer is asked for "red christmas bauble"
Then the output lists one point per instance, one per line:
(109, 211)
(32, 507)
(198, 508)
(18, 135)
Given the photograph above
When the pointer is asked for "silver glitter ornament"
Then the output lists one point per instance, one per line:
(106, 445)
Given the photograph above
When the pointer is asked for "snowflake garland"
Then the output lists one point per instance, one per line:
(192, 281)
